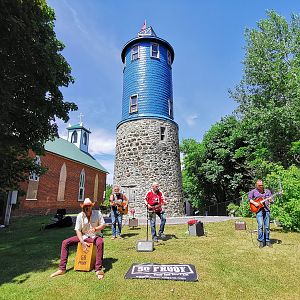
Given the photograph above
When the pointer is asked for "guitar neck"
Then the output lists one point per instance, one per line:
(269, 198)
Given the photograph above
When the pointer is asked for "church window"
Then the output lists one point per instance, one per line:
(62, 183)
(33, 183)
(155, 50)
(96, 187)
(133, 104)
(135, 52)
(33, 176)
(163, 133)
(74, 137)
(81, 185)
(84, 138)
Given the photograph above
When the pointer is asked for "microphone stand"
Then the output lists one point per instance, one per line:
(147, 220)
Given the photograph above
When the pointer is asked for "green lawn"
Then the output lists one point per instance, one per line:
(228, 262)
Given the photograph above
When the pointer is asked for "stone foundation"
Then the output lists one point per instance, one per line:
(142, 157)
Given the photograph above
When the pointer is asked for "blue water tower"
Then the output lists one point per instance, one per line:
(147, 147)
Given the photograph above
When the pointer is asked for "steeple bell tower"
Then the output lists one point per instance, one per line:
(79, 135)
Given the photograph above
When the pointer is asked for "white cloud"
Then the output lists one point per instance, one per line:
(102, 142)
(191, 120)
(109, 166)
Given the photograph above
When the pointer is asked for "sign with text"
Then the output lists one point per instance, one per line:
(157, 271)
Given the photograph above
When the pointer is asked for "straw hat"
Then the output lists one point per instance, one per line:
(87, 202)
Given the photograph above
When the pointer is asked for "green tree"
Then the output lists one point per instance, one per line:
(215, 170)
(32, 70)
(269, 93)
(108, 192)
(286, 208)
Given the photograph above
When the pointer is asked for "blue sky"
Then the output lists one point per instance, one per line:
(208, 39)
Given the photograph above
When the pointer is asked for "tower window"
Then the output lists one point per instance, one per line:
(133, 104)
(169, 58)
(155, 50)
(81, 185)
(135, 52)
(163, 133)
(84, 138)
(74, 137)
(170, 108)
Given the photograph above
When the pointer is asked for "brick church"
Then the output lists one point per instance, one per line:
(73, 175)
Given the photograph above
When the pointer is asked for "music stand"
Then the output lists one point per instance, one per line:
(145, 245)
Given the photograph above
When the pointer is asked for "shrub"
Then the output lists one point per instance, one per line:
(286, 208)
(232, 208)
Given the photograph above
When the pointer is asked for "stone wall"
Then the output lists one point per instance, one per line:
(142, 158)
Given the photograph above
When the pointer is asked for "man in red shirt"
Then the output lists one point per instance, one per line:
(154, 201)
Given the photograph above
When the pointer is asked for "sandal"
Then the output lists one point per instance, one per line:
(100, 274)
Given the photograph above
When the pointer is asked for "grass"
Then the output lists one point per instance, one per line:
(228, 262)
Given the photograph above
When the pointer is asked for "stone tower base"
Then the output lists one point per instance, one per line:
(145, 155)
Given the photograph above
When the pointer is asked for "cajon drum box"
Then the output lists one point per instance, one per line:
(85, 261)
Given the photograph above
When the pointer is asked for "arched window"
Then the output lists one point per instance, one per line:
(33, 183)
(81, 185)
(84, 138)
(62, 183)
(33, 176)
(74, 137)
(96, 186)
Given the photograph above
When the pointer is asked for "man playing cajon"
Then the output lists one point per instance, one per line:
(88, 224)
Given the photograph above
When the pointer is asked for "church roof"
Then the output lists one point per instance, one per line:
(78, 126)
(66, 149)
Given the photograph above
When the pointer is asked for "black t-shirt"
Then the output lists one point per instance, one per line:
(117, 197)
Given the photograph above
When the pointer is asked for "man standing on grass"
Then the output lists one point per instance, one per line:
(154, 201)
(119, 204)
(89, 223)
(263, 215)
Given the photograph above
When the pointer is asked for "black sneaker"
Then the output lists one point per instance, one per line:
(162, 236)
(269, 244)
(261, 244)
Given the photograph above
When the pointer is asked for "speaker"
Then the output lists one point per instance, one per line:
(144, 246)
(240, 225)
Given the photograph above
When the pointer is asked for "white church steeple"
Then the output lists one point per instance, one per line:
(79, 135)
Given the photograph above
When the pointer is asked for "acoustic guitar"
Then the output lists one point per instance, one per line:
(121, 207)
(155, 208)
(260, 201)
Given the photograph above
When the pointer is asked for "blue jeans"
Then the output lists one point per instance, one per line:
(152, 218)
(263, 220)
(116, 219)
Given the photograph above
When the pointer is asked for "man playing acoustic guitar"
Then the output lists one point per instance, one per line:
(263, 214)
(154, 201)
(119, 207)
